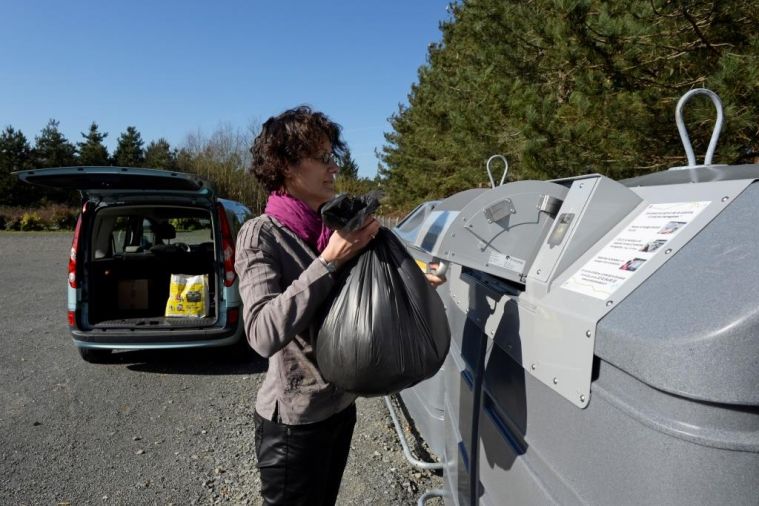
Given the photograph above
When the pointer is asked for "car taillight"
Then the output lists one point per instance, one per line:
(72, 254)
(227, 247)
(232, 315)
(72, 319)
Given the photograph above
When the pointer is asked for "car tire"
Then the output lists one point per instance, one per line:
(95, 355)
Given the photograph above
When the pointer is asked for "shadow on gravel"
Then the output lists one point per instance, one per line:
(212, 361)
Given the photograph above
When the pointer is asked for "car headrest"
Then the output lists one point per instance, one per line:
(164, 230)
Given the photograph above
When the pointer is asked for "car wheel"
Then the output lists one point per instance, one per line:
(95, 355)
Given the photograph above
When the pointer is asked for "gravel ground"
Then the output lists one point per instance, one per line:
(149, 427)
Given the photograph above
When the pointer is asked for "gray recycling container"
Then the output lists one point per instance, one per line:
(605, 340)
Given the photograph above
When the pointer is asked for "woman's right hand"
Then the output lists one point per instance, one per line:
(343, 246)
(433, 278)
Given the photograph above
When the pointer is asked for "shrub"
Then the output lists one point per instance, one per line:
(59, 217)
(31, 221)
(13, 224)
(47, 217)
(186, 224)
(11, 218)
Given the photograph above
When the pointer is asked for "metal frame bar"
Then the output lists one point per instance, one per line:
(406, 450)
(438, 492)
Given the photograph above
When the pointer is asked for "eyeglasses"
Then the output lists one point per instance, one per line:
(327, 158)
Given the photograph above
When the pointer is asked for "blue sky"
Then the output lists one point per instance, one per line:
(171, 68)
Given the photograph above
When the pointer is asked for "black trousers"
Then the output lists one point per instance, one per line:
(303, 464)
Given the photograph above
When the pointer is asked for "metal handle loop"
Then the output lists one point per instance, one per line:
(505, 169)
(684, 131)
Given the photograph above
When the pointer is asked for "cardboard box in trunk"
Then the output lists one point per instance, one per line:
(133, 294)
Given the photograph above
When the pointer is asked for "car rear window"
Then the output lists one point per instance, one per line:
(144, 230)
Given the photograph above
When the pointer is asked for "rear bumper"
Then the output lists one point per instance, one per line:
(120, 339)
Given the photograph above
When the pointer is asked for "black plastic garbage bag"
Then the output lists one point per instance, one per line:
(385, 329)
(346, 212)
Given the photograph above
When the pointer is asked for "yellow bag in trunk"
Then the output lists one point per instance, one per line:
(188, 296)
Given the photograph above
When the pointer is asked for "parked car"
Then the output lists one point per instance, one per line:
(137, 227)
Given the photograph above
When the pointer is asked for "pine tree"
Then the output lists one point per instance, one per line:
(159, 155)
(348, 166)
(567, 88)
(129, 152)
(92, 151)
(348, 180)
(52, 149)
(15, 154)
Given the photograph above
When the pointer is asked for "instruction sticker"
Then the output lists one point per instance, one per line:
(506, 262)
(645, 236)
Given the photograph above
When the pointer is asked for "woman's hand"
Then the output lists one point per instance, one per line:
(343, 246)
(435, 280)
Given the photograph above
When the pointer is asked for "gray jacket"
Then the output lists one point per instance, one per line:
(282, 285)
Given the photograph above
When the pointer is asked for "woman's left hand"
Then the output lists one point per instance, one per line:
(343, 246)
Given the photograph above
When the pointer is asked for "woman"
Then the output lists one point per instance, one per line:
(286, 259)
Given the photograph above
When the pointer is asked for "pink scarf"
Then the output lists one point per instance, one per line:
(298, 217)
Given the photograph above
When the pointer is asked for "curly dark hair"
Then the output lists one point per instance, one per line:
(289, 138)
